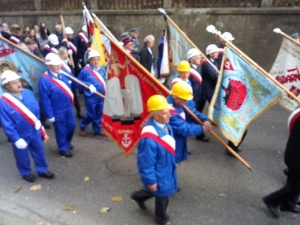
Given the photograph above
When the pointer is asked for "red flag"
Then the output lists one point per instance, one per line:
(128, 88)
(88, 21)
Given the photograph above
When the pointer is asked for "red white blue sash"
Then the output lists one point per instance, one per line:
(51, 49)
(83, 38)
(25, 112)
(167, 141)
(97, 76)
(172, 110)
(292, 118)
(194, 73)
(61, 85)
(70, 45)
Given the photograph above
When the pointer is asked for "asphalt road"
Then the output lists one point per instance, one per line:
(215, 189)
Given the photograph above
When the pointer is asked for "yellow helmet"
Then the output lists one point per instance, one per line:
(157, 102)
(183, 66)
(182, 90)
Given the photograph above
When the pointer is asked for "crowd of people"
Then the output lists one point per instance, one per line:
(163, 140)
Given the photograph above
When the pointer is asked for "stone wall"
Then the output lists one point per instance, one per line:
(252, 28)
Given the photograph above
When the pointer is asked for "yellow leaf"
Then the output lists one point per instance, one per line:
(104, 209)
(86, 178)
(36, 187)
(69, 207)
(17, 189)
(117, 199)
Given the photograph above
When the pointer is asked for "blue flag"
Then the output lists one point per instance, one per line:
(242, 95)
(24, 64)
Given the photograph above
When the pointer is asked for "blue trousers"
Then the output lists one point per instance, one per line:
(94, 109)
(37, 151)
(64, 127)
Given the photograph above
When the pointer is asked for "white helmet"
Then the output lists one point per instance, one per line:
(53, 39)
(69, 30)
(211, 49)
(84, 28)
(8, 76)
(93, 53)
(228, 36)
(53, 59)
(192, 52)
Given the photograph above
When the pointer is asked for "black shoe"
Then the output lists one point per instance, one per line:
(66, 154)
(47, 175)
(272, 209)
(30, 178)
(286, 208)
(46, 126)
(189, 152)
(286, 171)
(142, 205)
(71, 147)
(202, 137)
(79, 115)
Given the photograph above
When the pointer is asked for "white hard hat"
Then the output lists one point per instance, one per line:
(8, 76)
(192, 52)
(53, 39)
(211, 49)
(69, 30)
(53, 59)
(93, 53)
(84, 28)
(228, 36)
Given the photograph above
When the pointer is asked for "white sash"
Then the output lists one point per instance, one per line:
(196, 75)
(172, 110)
(98, 76)
(83, 38)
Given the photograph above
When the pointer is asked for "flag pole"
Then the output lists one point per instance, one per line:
(65, 36)
(168, 91)
(213, 30)
(278, 31)
(219, 139)
(186, 37)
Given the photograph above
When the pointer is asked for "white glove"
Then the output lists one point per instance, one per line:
(38, 125)
(70, 52)
(92, 89)
(21, 144)
(51, 120)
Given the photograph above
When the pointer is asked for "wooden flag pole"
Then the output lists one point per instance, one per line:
(213, 30)
(278, 31)
(186, 37)
(65, 36)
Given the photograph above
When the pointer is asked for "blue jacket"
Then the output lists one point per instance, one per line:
(86, 77)
(156, 164)
(14, 124)
(209, 80)
(53, 100)
(184, 128)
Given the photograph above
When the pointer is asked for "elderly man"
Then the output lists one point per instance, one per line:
(57, 102)
(94, 76)
(184, 125)
(156, 160)
(19, 114)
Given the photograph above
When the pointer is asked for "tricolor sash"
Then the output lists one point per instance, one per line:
(51, 49)
(292, 118)
(194, 73)
(70, 45)
(83, 38)
(172, 110)
(167, 141)
(98, 77)
(25, 112)
(61, 85)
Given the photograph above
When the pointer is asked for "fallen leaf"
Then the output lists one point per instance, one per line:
(222, 195)
(17, 189)
(69, 207)
(86, 178)
(117, 199)
(104, 209)
(36, 187)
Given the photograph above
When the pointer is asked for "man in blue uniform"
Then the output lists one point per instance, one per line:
(184, 125)
(156, 160)
(19, 114)
(57, 102)
(92, 75)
